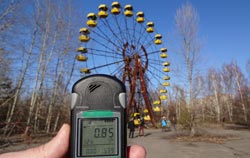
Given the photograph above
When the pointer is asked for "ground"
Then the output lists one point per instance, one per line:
(217, 142)
(212, 142)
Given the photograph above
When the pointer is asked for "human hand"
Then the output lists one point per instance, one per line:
(58, 148)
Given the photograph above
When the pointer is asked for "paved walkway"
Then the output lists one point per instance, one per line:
(158, 146)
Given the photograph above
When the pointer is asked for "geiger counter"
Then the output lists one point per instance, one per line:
(98, 118)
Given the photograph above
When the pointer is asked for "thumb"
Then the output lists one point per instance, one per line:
(56, 148)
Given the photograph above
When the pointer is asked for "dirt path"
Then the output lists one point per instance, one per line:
(158, 145)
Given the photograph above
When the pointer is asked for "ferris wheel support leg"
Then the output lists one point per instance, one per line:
(147, 102)
(144, 93)
(132, 92)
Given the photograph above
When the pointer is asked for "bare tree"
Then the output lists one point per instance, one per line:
(186, 24)
(200, 92)
(214, 84)
(42, 64)
(62, 25)
(239, 80)
(179, 99)
(228, 87)
(248, 67)
(25, 67)
(5, 84)
(8, 14)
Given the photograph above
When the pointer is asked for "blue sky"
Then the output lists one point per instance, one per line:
(224, 25)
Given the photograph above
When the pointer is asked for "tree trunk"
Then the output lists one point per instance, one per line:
(20, 82)
(238, 81)
(39, 79)
(56, 122)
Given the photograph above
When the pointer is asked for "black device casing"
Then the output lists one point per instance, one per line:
(98, 92)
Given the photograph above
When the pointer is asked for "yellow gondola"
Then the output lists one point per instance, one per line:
(103, 11)
(103, 7)
(157, 102)
(136, 115)
(85, 70)
(163, 97)
(84, 31)
(84, 38)
(137, 122)
(91, 23)
(164, 50)
(102, 14)
(81, 58)
(115, 8)
(91, 16)
(92, 20)
(156, 109)
(147, 118)
(145, 110)
(166, 63)
(158, 39)
(140, 17)
(166, 78)
(166, 69)
(150, 24)
(164, 55)
(150, 27)
(163, 91)
(128, 10)
(166, 84)
(158, 36)
(82, 49)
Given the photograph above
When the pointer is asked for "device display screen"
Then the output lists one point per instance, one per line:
(99, 137)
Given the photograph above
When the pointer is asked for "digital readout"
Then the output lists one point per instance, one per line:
(99, 137)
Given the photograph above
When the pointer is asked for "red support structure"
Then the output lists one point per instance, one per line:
(134, 71)
(144, 91)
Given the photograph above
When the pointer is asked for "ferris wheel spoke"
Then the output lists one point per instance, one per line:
(145, 38)
(149, 43)
(105, 37)
(156, 69)
(127, 30)
(104, 52)
(154, 52)
(155, 62)
(141, 35)
(118, 70)
(104, 46)
(134, 31)
(112, 31)
(159, 74)
(103, 55)
(150, 82)
(119, 27)
(154, 75)
(155, 90)
(105, 65)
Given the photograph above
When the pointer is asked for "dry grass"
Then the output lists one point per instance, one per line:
(201, 135)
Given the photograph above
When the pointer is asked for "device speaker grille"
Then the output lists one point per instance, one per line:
(92, 87)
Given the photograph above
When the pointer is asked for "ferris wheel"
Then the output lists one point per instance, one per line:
(119, 41)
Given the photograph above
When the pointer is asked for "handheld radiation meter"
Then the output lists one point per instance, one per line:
(98, 118)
